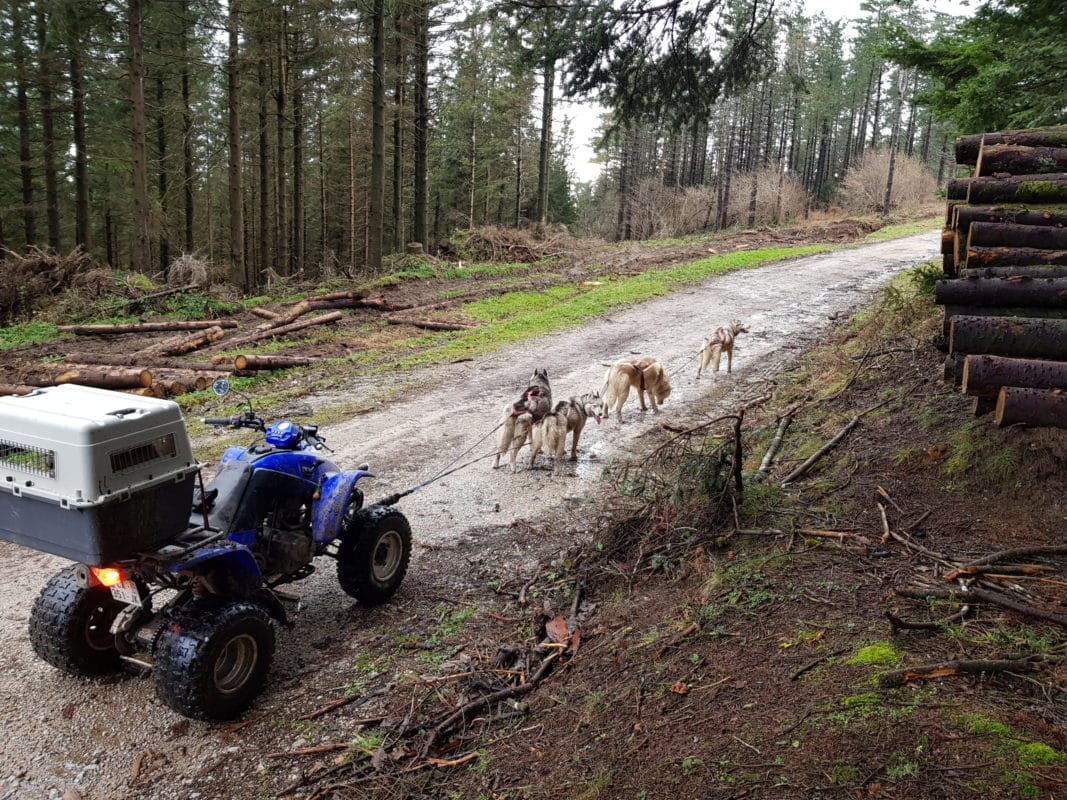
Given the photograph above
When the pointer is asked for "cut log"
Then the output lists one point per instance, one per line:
(376, 303)
(950, 212)
(968, 147)
(953, 370)
(984, 376)
(1043, 408)
(1046, 188)
(1009, 336)
(269, 361)
(1015, 159)
(259, 335)
(182, 345)
(264, 313)
(147, 327)
(297, 311)
(1047, 271)
(350, 295)
(198, 378)
(1046, 216)
(993, 292)
(133, 360)
(1009, 234)
(956, 189)
(16, 388)
(978, 257)
(990, 311)
(948, 265)
(430, 324)
(948, 239)
(88, 376)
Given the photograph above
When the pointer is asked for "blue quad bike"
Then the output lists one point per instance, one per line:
(201, 610)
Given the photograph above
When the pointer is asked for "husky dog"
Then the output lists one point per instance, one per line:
(644, 374)
(569, 416)
(722, 341)
(519, 417)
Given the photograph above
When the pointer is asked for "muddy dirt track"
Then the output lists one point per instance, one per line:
(63, 734)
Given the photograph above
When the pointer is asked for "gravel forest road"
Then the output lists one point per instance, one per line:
(64, 735)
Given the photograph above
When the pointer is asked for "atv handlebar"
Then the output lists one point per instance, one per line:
(246, 420)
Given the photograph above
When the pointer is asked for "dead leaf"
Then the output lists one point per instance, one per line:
(874, 789)
(681, 687)
(557, 629)
(68, 710)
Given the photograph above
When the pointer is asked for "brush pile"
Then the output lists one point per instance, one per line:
(27, 280)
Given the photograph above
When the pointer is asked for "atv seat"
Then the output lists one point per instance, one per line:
(222, 496)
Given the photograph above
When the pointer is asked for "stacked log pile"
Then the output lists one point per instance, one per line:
(1004, 253)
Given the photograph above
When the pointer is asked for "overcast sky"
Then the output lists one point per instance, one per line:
(585, 117)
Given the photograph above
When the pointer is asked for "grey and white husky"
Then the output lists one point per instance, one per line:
(722, 341)
(569, 416)
(519, 417)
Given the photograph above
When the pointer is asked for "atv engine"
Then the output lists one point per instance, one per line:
(285, 543)
(283, 551)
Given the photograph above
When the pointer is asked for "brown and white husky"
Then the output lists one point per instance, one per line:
(569, 416)
(722, 341)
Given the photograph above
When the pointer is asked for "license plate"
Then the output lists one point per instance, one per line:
(127, 592)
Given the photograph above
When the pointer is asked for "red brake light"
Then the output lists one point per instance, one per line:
(108, 576)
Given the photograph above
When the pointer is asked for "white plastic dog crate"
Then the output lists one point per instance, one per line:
(93, 475)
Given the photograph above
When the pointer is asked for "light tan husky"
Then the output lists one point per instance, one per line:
(644, 374)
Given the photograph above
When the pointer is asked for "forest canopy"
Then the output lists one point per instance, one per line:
(1005, 67)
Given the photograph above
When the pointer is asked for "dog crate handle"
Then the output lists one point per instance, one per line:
(122, 412)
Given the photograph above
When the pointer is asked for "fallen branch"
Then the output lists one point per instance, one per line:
(264, 313)
(948, 669)
(998, 599)
(688, 630)
(311, 751)
(1020, 552)
(772, 449)
(813, 664)
(826, 448)
(830, 445)
(354, 700)
(511, 691)
(902, 624)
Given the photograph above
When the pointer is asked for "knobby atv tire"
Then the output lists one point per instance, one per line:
(206, 636)
(374, 554)
(70, 626)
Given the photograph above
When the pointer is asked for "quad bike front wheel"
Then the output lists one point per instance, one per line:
(211, 662)
(374, 554)
(70, 626)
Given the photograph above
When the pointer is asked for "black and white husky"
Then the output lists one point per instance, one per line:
(569, 416)
(520, 416)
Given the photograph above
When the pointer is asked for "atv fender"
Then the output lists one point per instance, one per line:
(335, 495)
(232, 563)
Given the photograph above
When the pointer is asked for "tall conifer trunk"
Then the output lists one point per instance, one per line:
(140, 253)
(376, 210)
(422, 122)
(46, 78)
(233, 111)
(29, 214)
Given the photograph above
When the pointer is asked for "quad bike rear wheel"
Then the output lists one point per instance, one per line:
(374, 554)
(70, 626)
(211, 662)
